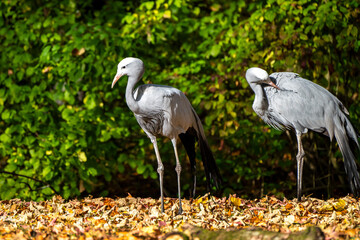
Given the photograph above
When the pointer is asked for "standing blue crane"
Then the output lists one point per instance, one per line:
(165, 111)
(284, 100)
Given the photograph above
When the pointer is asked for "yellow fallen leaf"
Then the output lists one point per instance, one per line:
(236, 201)
(201, 200)
(326, 207)
(340, 205)
(149, 229)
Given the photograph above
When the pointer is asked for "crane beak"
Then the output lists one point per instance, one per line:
(116, 78)
(272, 84)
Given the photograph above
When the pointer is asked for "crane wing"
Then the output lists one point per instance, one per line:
(164, 110)
(302, 104)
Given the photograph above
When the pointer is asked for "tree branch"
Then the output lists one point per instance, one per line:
(34, 179)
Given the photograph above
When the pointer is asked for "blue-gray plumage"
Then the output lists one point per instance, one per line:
(165, 111)
(284, 100)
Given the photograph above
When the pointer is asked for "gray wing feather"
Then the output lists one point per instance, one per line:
(164, 110)
(301, 104)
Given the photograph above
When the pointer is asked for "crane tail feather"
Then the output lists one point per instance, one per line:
(213, 177)
(188, 140)
(346, 136)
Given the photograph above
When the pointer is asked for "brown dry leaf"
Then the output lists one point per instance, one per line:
(77, 52)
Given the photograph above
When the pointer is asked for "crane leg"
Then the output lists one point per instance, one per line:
(178, 171)
(160, 170)
(300, 163)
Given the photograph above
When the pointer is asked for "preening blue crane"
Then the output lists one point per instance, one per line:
(165, 111)
(284, 100)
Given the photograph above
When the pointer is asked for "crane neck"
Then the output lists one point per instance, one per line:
(129, 94)
(261, 103)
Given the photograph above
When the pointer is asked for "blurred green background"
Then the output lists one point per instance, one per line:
(64, 130)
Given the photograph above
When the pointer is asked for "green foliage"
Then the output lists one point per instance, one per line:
(61, 123)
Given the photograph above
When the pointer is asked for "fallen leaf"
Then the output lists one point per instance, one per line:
(340, 205)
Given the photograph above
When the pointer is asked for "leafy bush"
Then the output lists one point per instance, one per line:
(63, 126)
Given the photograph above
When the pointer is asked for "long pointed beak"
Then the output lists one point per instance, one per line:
(116, 78)
(273, 84)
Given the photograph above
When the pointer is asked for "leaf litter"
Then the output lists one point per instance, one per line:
(141, 218)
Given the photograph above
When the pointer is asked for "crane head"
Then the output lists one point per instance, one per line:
(257, 75)
(132, 67)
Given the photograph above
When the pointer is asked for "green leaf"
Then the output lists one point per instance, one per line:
(270, 15)
(66, 193)
(303, 36)
(8, 194)
(153, 175)
(67, 114)
(46, 171)
(148, 5)
(5, 114)
(141, 169)
(44, 38)
(105, 135)
(196, 11)
(29, 71)
(47, 22)
(215, 50)
(90, 101)
(354, 31)
(44, 56)
(5, 138)
(11, 167)
(47, 191)
(121, 168)
(92, 171)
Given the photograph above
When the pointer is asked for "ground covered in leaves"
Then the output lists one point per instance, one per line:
(124, 218)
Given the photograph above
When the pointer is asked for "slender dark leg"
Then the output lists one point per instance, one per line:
(178, 171)
(300, 162)
(160, 170)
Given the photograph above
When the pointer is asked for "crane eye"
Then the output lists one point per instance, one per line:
(123, 67)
